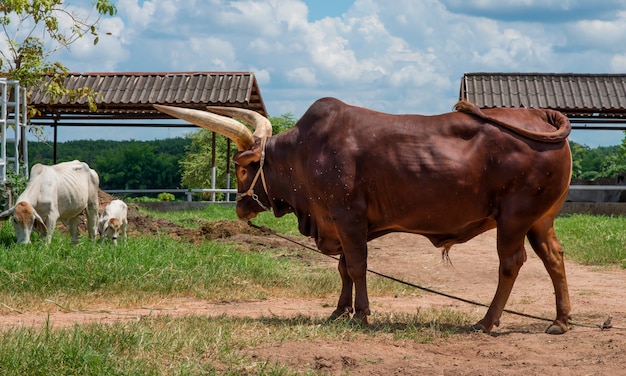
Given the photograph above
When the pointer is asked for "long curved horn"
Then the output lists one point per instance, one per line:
(234, 130)
(262, 126)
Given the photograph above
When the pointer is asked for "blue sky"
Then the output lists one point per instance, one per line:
(400, 56)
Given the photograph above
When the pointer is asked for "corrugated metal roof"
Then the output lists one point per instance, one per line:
(131, 95)
(576, 95)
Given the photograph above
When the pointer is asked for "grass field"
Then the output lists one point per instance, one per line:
(152, 267)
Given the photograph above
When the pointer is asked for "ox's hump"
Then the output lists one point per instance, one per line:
(557, 120)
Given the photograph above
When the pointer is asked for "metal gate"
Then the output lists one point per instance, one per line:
(13, 120)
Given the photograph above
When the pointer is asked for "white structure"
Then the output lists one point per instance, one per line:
(13, 120)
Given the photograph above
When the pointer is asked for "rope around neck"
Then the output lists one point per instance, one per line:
(250, 191)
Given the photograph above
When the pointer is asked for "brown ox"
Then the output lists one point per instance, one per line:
(351, 175)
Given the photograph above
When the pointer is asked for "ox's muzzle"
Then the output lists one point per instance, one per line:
(255, 197)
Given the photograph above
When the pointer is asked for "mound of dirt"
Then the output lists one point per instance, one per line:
(139, 224)
(226, 229)
(208, 230)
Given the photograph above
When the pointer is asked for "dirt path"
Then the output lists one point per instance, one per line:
(517, 347)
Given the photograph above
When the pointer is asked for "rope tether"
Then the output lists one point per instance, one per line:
(604, 326)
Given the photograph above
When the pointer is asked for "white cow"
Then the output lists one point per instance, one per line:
(113, 221)
(58, 192)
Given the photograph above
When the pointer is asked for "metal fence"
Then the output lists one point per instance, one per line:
(228, 192)
(188, 192)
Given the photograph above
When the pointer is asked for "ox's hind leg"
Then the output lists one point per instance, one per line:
(73, 225)
(512, 256)
(545, 243)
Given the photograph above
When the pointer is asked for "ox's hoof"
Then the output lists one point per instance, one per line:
(341, 313)
(360, 319)
(479, 328)
(556, 328)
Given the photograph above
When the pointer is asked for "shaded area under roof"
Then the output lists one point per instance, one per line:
(130, 96)
(583, 98)
(126, 99)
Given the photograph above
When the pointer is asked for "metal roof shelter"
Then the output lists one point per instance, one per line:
(130, 95)
(126, 99)
(596, 100)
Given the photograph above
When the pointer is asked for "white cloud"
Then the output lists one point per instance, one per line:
(598, 34)
(405, 58)
(210, 53)
(103, 57)
(139, 16)
(302, 76)
(263, 76)
(618, 63)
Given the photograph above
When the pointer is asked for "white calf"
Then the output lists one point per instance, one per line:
(57, 192)
(113, 221)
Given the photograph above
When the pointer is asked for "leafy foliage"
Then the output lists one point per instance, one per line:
(603, 161)
(35, 29)
(196, 165)
(165, 196)
(17, 184)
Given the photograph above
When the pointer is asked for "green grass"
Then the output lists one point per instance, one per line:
(157, 266)
(150, 268)
(196, 345)
(593, 240)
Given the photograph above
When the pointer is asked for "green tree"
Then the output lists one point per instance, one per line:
(600, 162)
(33, 30)
(196, 165)
(578, 153)
(115, 161)
(282, 123)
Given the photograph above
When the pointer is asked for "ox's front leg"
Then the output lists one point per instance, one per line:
(355, 256)
(512, 256)
(344, 306)
(346, 233)
(50, 226)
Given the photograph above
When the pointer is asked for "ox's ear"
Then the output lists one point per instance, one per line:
(104, 228)
(6, 214)
(40, 225)
(244, 158)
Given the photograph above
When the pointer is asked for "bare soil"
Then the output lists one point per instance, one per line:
(518, 347)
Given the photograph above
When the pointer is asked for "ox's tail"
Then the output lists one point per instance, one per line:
(554, 118)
